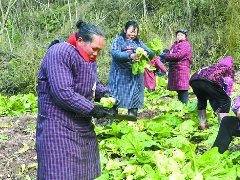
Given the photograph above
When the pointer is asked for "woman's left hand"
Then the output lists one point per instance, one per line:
(145, 53)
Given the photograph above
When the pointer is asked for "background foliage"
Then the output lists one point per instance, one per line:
(27, 27)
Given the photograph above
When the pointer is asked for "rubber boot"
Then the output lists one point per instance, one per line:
(132, 111)
(220, 116)
(183, 96)
(202, 119)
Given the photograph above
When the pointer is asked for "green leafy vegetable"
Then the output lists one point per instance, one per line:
(138, 67)
(107, 102)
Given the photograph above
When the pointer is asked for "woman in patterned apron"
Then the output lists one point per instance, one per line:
(66, 144)
(180, 59)
(126, 87)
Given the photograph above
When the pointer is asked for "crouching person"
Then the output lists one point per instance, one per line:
(230, 126)
(213, 83)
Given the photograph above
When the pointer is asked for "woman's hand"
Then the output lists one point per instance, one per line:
(134, 57)
(145, 53)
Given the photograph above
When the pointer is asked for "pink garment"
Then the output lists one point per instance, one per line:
(149, 76)
(179, 58)
(226, 61)
(228, 81)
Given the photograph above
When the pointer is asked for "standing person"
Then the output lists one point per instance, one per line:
(149, 75)
(179, 58)
(125, 86)
(230, 126)
(213, 83)
(66, 143)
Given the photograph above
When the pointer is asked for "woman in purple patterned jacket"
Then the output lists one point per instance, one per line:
(66, 144)
(230, 126)
(179, 58)
(213, 83)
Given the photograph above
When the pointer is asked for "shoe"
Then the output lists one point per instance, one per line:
(151, 90)
(202, 127)
(132, 112)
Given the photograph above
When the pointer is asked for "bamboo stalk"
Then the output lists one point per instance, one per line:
(76, 11)
(9, 41)
(69, 12)
(144, 8)
(4, 16)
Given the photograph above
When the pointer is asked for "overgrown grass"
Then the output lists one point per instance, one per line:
(213, 32)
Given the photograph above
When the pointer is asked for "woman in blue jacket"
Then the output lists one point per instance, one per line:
(125, 86)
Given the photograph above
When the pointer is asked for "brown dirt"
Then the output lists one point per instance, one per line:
(17, 154)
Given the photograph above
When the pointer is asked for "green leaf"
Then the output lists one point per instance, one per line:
(135, 142)
(2, 137)
(185, 128)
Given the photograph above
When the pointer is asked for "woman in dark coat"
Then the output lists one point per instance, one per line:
(66, 144)
(179, 58)
(125, 86)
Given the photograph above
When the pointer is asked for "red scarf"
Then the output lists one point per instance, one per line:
(73, 41)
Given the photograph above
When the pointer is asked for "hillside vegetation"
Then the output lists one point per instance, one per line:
(27, 27)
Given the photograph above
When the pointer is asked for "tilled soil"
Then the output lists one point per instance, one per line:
(17, 153)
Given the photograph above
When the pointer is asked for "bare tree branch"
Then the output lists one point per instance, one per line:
(76, 5)
(70, 16)
(5, 16)
(47, 5)
(9, 41)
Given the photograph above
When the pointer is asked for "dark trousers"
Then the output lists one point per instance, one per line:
(206, 90)
(183, 96)
(228, 128)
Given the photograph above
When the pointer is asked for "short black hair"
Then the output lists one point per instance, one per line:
(184, 31)
(132, 23)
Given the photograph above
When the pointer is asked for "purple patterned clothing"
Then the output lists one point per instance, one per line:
(227, 84)
(66, 143)
(180, 58)
(217, 74)
(236, 104)
(236, 108)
